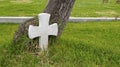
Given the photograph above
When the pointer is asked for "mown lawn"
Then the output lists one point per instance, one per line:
(81, 45)
(82, 8)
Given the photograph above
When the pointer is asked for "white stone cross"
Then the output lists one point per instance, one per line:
(43, 30)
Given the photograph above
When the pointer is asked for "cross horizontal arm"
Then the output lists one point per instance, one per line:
(53, 29)
(34, 31)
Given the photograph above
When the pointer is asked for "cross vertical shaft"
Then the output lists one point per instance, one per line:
(44, 23)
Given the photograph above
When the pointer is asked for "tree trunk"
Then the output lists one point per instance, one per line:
(60, 12)
(118, 1)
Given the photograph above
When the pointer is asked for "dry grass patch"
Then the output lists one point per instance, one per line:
(107, 13)
(21, 1)
(1, 0)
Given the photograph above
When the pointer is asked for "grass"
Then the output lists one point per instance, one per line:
(6, 36)
(81, 45)
(82, 8)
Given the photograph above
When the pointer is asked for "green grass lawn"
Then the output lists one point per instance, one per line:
(81, 45)
(82, 8)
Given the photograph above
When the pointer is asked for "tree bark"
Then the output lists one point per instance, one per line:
(118, 1)
(60, 12)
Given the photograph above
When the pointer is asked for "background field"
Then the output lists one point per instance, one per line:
(81, 44)
(82, 8)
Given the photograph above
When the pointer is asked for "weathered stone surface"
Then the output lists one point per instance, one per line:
(43, 30)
